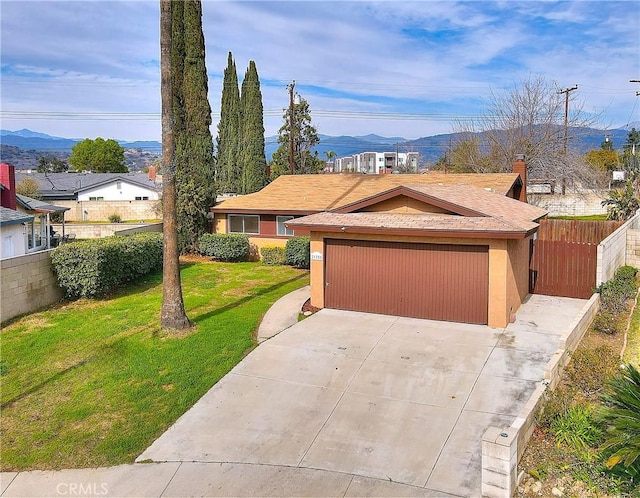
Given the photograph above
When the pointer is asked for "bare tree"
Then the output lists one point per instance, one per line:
(173, 315)
(529, 119)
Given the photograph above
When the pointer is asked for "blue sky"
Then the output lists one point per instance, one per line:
(88, 68)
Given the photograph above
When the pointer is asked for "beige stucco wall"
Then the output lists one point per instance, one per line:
(404, 204)
(518, 272)
(28, 284)
(101, 210)
(508, 280)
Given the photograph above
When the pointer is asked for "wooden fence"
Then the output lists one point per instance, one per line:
(564, 259)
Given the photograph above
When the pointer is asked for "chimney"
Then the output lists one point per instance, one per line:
(520, 167)
(152, 173)
(8, 181)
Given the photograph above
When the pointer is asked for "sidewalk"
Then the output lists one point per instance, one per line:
(283, 314)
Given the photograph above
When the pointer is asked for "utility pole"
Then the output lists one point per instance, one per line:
(290, 87)
(566, 92)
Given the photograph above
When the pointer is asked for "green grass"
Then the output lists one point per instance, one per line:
(592, 217)
(94, 382)
(632, 351)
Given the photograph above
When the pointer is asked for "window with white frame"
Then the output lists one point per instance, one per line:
(243, 223)
(282, 228)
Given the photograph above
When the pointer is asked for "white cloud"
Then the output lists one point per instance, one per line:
(429, 57)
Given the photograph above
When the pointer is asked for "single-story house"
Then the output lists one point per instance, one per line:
(13, 230)
(438, 246)
(26, 223)
(94, 186)
(263, 215)
(97, 196)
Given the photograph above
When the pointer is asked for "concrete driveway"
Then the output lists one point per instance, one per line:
(371, 396)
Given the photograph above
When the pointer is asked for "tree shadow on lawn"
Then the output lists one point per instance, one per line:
(246, 299)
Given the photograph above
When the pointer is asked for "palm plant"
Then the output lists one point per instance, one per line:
(621, 416)
(623, 203)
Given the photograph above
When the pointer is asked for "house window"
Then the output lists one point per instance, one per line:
(96, 198)
(36, 236)
(244, 223)
(119, 185)
(142, 198)
(282, 229)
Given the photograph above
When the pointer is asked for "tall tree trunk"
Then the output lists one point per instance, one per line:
(173, 315)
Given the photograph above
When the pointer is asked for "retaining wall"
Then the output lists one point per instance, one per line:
(101, 210)
(502, 448)
(100, 230)
(570, 204)
(28, 284)
(612, 251)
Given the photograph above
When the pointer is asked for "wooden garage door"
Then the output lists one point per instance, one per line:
(434, 281)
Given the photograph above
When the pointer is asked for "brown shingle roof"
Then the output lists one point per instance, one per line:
(313, 193)
(485, 213)
(411, 222)
(483, 202)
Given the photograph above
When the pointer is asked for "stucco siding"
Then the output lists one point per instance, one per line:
(111, 192)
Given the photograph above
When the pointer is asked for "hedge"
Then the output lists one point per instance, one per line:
(273, 255)
(225, 246)
(298, 252)
(95, 267)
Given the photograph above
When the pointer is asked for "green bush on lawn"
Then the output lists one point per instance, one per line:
(298, 252)
(225, 246)
(95, 267)
(273, 255)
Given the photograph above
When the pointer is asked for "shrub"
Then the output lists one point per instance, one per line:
(298, 252)
(621, 416)
(590, 368)
(224, 246)
(615, 293)
(608, 323)
(94, 267)
(273, 255)
(115, 218)
(557, 405)
(577, 429)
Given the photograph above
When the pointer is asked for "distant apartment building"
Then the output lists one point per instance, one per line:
(377, 163)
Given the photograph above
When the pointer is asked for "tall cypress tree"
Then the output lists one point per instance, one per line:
(228, 172)
(194, 145)
(252, 158)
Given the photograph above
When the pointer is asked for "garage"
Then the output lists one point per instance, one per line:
(434, 281)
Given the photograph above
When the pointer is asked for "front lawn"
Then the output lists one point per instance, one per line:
(94, 382)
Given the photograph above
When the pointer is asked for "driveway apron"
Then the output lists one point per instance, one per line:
(375, 396)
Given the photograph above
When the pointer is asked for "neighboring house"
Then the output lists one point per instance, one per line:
(40, 234)
(438, 246)
(94, 186)
(13, 232)
(377, 162)
(26, 223)
(96, 196)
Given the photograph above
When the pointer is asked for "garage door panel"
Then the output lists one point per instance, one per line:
(435, 281)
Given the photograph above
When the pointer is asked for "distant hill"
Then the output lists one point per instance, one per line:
(32, 140)
(23, 147)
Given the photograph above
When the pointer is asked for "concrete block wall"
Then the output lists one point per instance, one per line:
(570, 204)
(28, 284)
(101, 210)
(633, 247)
(100, 230)
(612, 251)
(502, 448)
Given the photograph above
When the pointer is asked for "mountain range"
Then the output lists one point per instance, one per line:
(19, 145)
